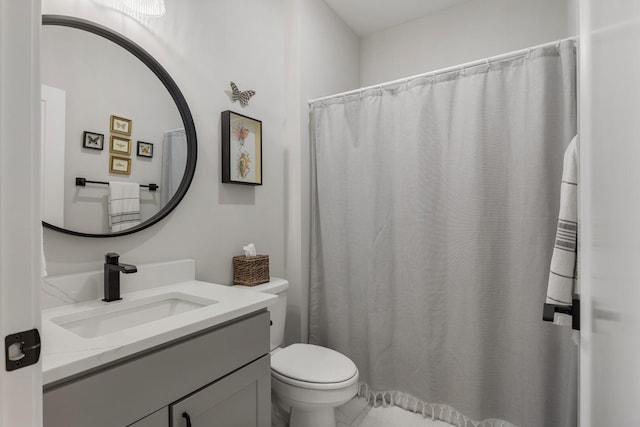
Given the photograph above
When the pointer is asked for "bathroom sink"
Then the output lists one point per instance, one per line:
(162, 304)
(114, 317)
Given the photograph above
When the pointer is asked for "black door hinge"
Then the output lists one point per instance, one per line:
(21, 349)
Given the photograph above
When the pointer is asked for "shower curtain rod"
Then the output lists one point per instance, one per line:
(497, 58)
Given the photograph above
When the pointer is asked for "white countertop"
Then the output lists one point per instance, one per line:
(65, 354)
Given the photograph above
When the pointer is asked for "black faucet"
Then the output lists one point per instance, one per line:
(112, 269)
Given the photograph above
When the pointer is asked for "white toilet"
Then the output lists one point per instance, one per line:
(309, 379)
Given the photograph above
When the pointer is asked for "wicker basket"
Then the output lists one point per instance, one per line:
(250, 270)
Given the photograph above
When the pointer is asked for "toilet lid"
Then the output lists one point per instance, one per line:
(313, 364)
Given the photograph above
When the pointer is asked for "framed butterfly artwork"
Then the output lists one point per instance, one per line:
(121, 165)
(93, 140)
(120, 145)
(120, 125)
(241, 149)
(145, 149)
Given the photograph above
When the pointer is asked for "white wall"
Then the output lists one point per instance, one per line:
(288, 51)
(323, 58)
(465, 32)
(203, 46)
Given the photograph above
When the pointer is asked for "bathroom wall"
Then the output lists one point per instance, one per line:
(285, 50)
(465, 32)
(204, 45)
(289, 51)
(323, 58)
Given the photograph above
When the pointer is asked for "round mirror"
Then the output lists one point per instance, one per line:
(119, 142)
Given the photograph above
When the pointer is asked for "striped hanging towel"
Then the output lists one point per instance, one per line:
(123, 205)
(563, 272)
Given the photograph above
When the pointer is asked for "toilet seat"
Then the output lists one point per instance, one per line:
(314, 367)
(313, 386)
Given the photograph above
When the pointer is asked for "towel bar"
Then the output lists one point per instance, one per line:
(81, 182)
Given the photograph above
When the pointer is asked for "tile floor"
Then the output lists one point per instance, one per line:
(357, 413)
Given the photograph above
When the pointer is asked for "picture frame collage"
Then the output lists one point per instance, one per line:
(119, 144)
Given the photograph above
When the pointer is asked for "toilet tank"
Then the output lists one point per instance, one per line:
(278, 310)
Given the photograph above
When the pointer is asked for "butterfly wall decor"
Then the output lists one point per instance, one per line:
(120, 145)
(240, 132)
(242, 96)
(92, 140)
(120, 125)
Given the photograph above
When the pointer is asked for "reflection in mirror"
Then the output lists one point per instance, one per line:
(86, 80)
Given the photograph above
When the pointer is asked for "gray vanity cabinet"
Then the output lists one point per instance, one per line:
(157, 419)
(234, 401)
(220, 377)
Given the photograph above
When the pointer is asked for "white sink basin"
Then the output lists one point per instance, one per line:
(117, 316)
(89, 333)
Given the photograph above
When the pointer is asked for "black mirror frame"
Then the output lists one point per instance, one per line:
(178, 98)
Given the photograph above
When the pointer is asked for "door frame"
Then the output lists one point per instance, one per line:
(20, 224)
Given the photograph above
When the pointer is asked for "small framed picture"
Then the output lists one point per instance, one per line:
(145, 149)
(120, 165)
(120, 125)
(241, 149)
(93, 140)
(120, 145)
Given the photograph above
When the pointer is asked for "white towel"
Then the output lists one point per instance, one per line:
(563, 280)
(123, 206)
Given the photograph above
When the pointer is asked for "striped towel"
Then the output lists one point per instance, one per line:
(123, 206)
(563, 272)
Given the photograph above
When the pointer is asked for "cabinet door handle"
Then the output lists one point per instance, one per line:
(188, 418)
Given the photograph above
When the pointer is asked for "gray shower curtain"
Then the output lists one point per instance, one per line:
(174, 162)
(434, 206)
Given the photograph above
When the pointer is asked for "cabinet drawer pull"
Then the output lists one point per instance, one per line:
(188, 418)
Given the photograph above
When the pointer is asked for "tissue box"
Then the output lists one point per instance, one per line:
(250, 270)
